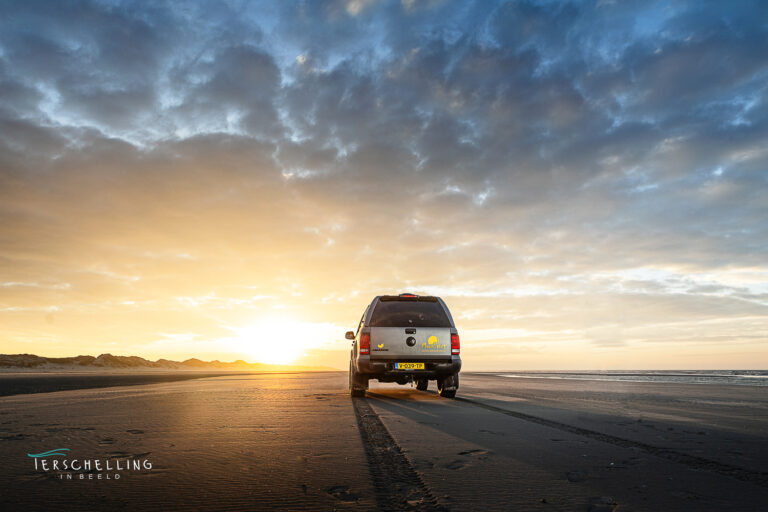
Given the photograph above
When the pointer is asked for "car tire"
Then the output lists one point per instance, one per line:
(422, 384)
(357, 384)
(447, 386)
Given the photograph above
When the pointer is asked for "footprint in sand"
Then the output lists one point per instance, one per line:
(474, 452)
(457, 464)
(342, 493)
(118, 455)
(602, 504)
(576, 476)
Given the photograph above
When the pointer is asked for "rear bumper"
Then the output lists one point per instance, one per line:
(383, 368)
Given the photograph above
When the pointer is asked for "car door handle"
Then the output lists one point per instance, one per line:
(410, 331)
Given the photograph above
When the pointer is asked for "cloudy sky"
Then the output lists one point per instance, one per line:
(585, 184)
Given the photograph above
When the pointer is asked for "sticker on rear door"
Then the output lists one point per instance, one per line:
(433, 345)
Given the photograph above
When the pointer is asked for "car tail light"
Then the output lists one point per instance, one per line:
(365, 343)
(455, 347)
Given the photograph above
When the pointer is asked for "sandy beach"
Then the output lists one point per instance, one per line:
(299, 442)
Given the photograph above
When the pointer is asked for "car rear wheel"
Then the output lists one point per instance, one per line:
(422, 384)
(357, 383)
(447, 386)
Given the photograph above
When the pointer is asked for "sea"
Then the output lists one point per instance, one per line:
(738, 377)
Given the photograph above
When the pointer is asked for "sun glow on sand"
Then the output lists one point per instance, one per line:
(281, 339)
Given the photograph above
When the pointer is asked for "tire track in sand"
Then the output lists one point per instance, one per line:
(397, 484)
(692, 461)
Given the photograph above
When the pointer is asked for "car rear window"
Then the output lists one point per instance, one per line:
(409, 313)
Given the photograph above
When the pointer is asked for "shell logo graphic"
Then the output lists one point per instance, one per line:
(380, 346)
(432, 340)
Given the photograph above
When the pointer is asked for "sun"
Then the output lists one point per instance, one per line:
(274, 339)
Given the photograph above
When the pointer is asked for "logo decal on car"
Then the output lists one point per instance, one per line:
(433, 345)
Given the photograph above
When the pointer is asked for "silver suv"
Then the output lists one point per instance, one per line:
(405, 338)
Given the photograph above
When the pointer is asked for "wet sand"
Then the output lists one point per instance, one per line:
(20, 383)
(299, 442)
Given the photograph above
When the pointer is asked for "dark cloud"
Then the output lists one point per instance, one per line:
(238, 92)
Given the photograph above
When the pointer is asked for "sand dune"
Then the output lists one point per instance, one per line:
(109, 361)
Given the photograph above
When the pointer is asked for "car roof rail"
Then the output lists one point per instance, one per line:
(408, 297)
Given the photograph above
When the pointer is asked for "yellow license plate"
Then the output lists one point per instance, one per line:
(409, 366)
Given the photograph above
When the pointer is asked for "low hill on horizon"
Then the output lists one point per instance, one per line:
(109, 361)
